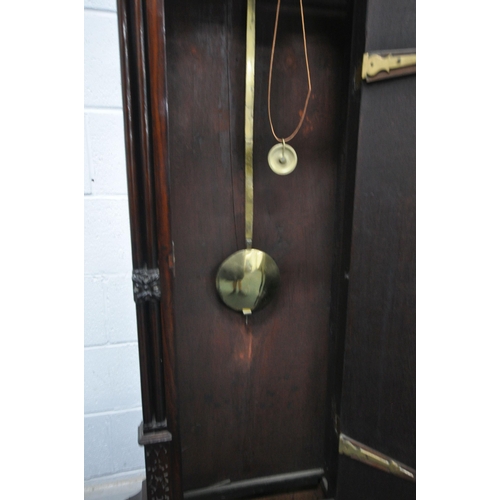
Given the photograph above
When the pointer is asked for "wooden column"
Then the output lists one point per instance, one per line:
(142, 51)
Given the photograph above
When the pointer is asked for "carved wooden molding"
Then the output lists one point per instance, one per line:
(162, 436)
(157, 473)
(141, 28)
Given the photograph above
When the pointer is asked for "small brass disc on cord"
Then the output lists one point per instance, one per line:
(282, 159)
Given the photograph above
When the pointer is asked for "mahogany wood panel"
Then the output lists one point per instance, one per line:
(378, 405)
(252, 399)
(378, 391)
(362, 482)
(344, 195)
(309, 494)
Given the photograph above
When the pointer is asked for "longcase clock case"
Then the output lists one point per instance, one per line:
(237, 409)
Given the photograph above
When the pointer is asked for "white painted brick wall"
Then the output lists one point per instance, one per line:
(107, 235)
(106, 150)
(101, 4)
(110, 447)
(112, 386)
(101, 59)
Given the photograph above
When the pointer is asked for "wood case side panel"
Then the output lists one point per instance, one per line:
(378, 392)
(143, 62)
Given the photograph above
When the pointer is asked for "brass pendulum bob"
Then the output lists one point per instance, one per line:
(248, 279)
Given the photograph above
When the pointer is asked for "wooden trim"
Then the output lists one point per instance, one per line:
(141, 26)
(262, 485)
(162, 436)
(155, 22)
(134, 167)
(343, 235)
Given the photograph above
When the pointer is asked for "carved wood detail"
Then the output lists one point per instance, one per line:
(146, 284)
(157, 480)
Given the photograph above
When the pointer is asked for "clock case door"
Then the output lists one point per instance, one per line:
(233, 409)
(378, 384)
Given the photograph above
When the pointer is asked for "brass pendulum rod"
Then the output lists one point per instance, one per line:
(248, 279)
(249, 112)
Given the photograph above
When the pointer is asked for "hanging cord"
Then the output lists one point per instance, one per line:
(294, 133)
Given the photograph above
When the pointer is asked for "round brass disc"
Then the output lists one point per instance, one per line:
(282, 159)
(247, 280)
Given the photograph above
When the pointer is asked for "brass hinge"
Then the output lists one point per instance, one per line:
(369, 456)
(388, 64)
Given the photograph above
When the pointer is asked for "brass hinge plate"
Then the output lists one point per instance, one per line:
(358, 451)
(385, 64)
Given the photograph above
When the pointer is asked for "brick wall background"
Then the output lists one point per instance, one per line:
(112, 386)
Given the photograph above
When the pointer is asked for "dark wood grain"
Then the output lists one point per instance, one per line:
(280, 484)
(131, 63)
(378, 405)
(298, 494)
(307, 494)
(243, 402)
(252, 400)
(142, 51)
(378, 387)
(344, 196)
(358, 481)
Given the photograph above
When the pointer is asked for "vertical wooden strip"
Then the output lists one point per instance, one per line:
(130, 141)
(143, 119)
(134, 195)
(147, 189)
(156, 42)
(149, 220)
(344, 196)
(161, 417)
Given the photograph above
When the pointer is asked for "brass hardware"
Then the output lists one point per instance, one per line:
(392, 63)
(282, 159)
(248, 279)
(249, 111)
(369, 456)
